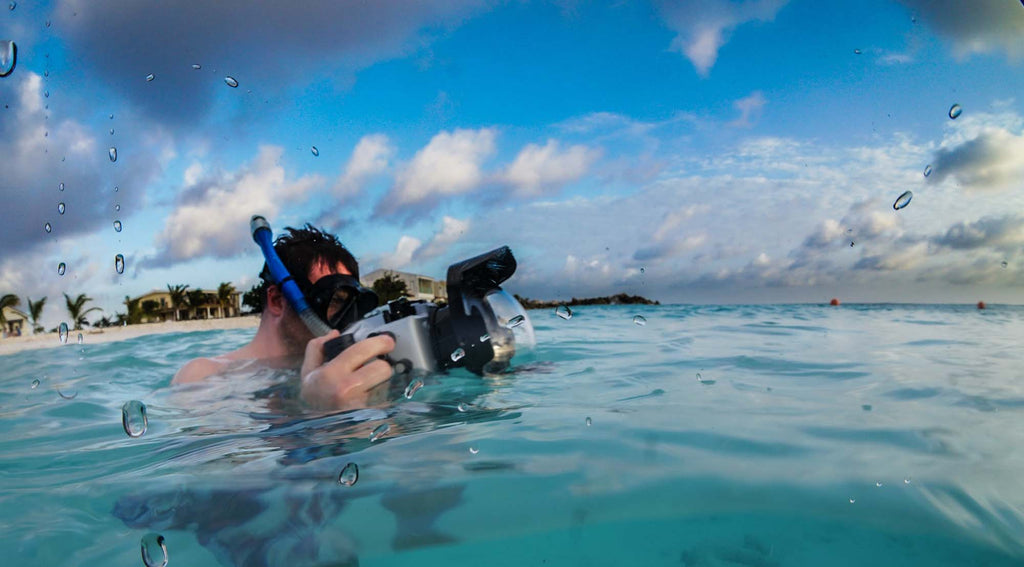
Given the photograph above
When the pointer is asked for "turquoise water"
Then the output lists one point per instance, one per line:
(858, 435)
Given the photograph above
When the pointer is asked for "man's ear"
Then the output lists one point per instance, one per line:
(275, 300)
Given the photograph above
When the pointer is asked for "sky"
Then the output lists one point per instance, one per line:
(708, 151)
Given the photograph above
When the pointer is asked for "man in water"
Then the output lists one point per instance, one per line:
(283, 340)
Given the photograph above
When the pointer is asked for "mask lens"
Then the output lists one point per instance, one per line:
(338, 302)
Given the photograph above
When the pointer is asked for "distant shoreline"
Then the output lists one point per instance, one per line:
(617, 299)
(91, 335)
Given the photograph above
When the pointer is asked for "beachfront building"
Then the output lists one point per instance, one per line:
(157, 307)
(16, 322)
(418, 287)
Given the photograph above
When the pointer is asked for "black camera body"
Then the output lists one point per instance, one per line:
(478, 330)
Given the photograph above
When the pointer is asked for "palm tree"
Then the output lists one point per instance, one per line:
(225, 293)
(177, 293)
(196, 299)
(8, 300)
(77, 310)
(134, 315)
(389, 287)
(35, 311)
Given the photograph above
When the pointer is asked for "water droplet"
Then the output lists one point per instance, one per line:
(47, 23)
(62, 333)
(72, 396)
(47, 227)
(903, 200)
(589, 422)
(133, 418)
(154, 552)
(458, 354)
(349, 475)
(111, 116)
(61, 268)
(474, 450)
(46, 94)
(315, 151)
(231, 82)
(61, 187)
(851, 244)
(117, 226)
(111, 131)
(640, 320)
(699, 377)
(379, 432)
(35, 384)
(1004, 264)
(856, 52)
(149, 78)
(485, 338)
(8, 57)
(642, 270)
(463, 407)
(878, 484)
(515, 321)
(12, 5)
(119, 264)
(906, 480)
(60, 207)
(112, 153)
(116, 189)
(412, 388)
(852, 500)
(197, 66)
(564, 312)
(955, 111)
(117, 208)
(927, 170)
(81, 338)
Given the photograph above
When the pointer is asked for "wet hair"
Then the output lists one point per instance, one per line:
(301, 248)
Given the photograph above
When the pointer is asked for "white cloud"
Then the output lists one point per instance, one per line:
(370, 157)
(992, 160)
(452, 229)
(407, 246)
(978, 26)
(538, 170)
(704, 27)
(449, 165)
(750, 108)
(213, 219)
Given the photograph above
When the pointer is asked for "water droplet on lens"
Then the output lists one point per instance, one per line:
(62, 333)
(116, 189)
(640, 320)
(564, 312)
(1005, 264)
(150, 77)
(458, 354)
(12, 5)
(412, 388)
(197, 66)
(856, 52)
(515, 321)
(81, 338)
(852, 500)
(641, 270)
(474, 450)
(112, 153)
(485, 338)
(111, 131)
(47, 227)
(699, 377)
(133, 418)
(117, 208)
(955, 111)
(35, 384)
(119, 264)
(231, 82)
(46, 94)
(851, 244)
(61, 187)
(349, 475)
(878, 484)
(61, 268)
(379, 432)
(71, 396)
(927, 170)
(903, 200)
(154, 552)
(463, 407)
(906, 480)
(60, 207)
(111, 116)
(117, 226)
(315, 151)
(589, 422)
(8, 57)
(47, 23)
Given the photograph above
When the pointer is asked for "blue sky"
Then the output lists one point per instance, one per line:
(702, 151)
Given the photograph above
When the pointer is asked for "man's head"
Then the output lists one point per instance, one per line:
(308, 249)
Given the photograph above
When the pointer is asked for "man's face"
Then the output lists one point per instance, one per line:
(295, 332)
(321, 269)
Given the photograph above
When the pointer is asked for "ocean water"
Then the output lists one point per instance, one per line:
(757, 436)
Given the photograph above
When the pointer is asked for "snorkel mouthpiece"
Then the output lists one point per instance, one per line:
(264, 238)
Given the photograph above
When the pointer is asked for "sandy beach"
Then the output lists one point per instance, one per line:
(12, 345)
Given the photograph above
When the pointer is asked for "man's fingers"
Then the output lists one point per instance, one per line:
(355, 356)
(315, 352)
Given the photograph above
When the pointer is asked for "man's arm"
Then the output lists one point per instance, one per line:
(343, 383)
(196, 370)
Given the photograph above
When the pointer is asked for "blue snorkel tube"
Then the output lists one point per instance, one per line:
(263, 237)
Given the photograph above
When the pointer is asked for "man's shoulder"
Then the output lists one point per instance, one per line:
(199, 369)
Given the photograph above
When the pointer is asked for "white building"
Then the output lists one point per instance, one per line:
(419, 287)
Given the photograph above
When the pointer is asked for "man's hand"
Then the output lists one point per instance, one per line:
(343, 383)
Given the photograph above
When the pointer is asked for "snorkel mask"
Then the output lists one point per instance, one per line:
(480, 330)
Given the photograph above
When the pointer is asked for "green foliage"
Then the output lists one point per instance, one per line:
(35, 311)
(178, 297)
(389, 287)
(253, 299)
(77, 310)
(8, 300)
(225, 293)
(134, 315)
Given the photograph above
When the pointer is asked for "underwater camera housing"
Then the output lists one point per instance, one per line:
(480, 329)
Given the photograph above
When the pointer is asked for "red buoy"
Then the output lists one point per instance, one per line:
(981, 305)
(835, 301)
